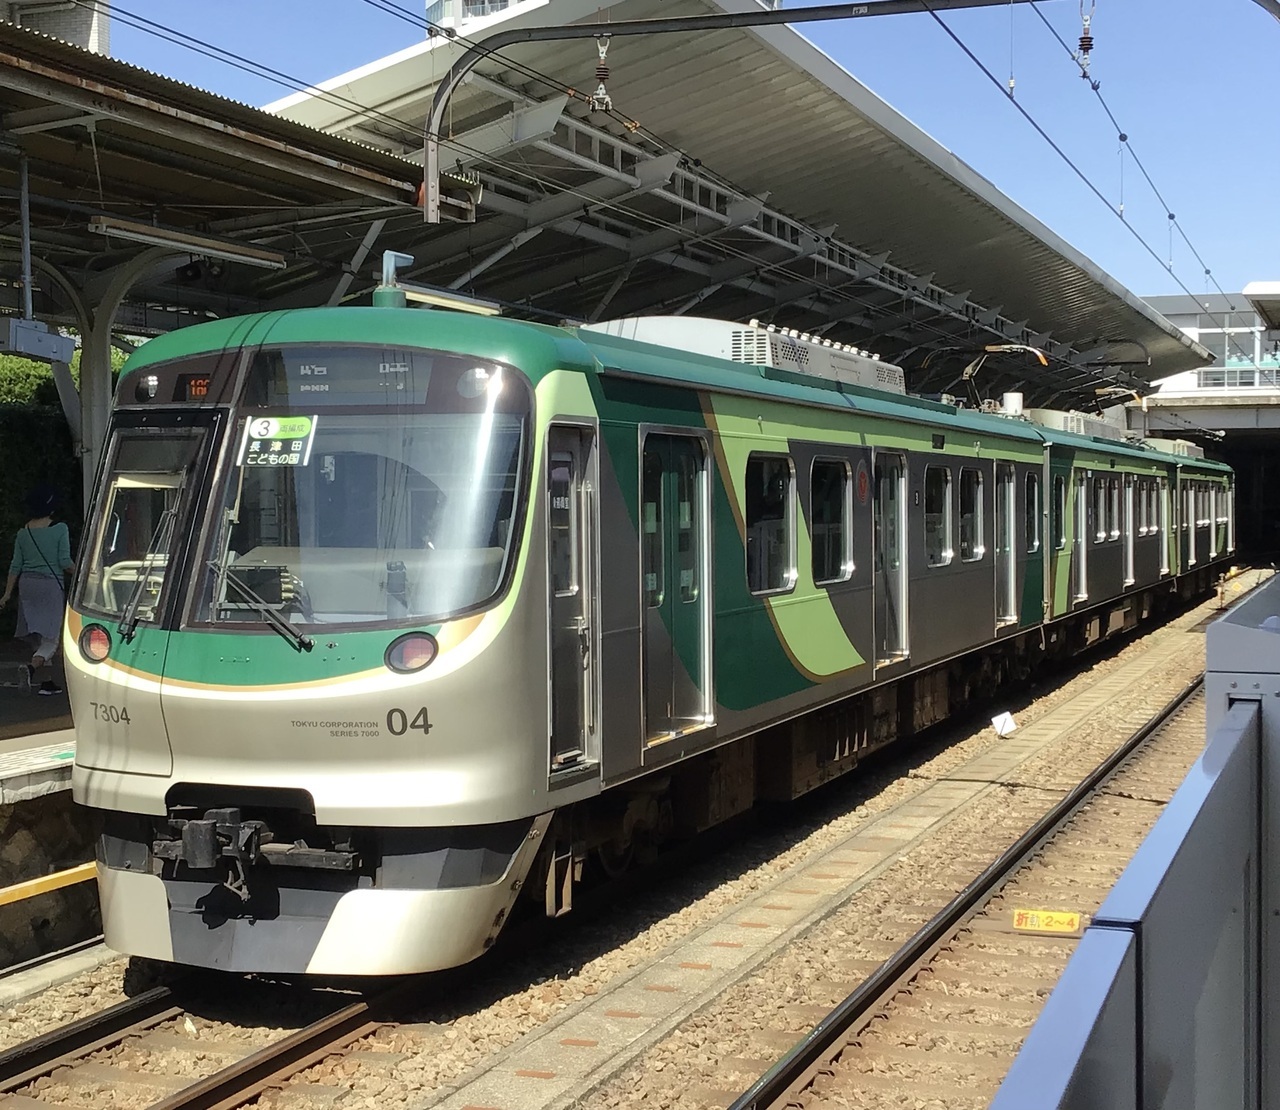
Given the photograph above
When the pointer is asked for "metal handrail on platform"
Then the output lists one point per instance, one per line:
(43, 884)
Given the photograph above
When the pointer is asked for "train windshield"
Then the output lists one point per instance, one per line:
(132, 537)
(391, 496)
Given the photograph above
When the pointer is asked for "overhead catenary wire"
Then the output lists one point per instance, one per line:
(289, 81)
(1058, 150)
(1087, 8)
(286, 80)
(632, 125)
(255, 68)
(410, 134)
(1095, 87)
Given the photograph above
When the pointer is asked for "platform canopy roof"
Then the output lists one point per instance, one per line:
(742, 174)
(1264, 296)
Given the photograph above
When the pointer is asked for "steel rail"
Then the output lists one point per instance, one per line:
(49, 957)
(247, 1078)
(810, 1054)
(27, 1062)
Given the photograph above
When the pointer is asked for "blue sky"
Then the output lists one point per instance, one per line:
(1192, 84)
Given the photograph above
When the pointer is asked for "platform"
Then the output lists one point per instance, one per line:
(37, 743)
(22, 711)
(36, 765)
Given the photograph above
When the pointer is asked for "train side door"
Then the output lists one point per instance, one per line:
(1080, 541)
(571, 589)
(675, 594)
(890, 557)
(1006, 562)
(1127, 507)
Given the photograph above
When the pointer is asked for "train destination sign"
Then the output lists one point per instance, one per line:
(278, 440)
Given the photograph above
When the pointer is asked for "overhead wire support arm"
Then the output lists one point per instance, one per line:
(477, 52)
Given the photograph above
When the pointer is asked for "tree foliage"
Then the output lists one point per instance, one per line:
(24, 381)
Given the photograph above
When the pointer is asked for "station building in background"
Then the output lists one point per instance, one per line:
(1232, 407)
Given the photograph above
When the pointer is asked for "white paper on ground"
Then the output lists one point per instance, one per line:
(1004, 724)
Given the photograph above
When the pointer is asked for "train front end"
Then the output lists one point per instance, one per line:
(299, 642)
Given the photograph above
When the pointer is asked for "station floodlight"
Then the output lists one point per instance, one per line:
(187, 242)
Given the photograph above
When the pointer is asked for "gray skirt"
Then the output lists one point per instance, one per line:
(40, 605)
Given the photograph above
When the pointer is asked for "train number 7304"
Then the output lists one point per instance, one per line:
(116, 714)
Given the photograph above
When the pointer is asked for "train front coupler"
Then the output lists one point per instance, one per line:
(202, 842)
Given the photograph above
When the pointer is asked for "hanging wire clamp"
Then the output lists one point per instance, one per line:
(1086, 38)
(601, 101)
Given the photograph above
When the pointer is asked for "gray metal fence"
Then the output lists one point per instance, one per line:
(1166, 1003)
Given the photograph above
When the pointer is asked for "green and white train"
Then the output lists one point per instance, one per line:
(387, 616)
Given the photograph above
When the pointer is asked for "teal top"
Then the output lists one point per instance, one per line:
(44, 551)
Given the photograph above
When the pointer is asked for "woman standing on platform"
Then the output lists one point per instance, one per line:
(41, 557)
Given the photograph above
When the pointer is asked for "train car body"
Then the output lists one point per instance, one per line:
(385, 615)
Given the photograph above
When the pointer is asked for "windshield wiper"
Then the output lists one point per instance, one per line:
(263, 608)
(159, 539)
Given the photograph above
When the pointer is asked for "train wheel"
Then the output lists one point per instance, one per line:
(616, 856)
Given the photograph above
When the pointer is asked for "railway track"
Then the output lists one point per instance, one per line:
(91, 1053)
(868, 1047)
(532, 1035)
(944, 1016)
(41, 1056)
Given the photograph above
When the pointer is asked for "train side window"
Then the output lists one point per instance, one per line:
(562, 523)
(1031, 522)
(771, 563)
(1099, 510)
(1113, 509)
(937, 515)
(971, 548)
(1059, 512)
(1140, 505)
(652, 530)
(690, 511)
(831, 510)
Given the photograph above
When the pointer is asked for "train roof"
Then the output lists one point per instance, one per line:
(538, 349)
(631, 358)
(535, 348)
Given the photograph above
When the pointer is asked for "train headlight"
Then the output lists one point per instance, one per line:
(411, 652)
(146, 388)
(95, 643)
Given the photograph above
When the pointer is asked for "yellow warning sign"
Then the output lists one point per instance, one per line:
(1046, 921)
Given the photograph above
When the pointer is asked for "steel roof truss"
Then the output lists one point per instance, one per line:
(357, 260)
(519, 127)
(605, 154)
(47, 117)
(511, 245)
